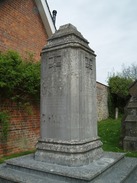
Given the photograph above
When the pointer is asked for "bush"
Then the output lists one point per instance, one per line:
(4, 126)
(119, 93)
(20, 78)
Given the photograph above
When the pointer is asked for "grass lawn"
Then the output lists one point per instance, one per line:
(109, 132)
(15, 155)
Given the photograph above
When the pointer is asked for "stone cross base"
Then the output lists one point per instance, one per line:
(69, 154)
(130, 143)
(130, 139)
(111, 167)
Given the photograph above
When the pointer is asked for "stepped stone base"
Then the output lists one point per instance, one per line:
(111, 167)
(69, 154)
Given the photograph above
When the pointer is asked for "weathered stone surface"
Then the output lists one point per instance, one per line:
(68, 100)
(130, 123)
(69, 154)
(133, 89)
(111, 167)
(69, 149)
(67, 34)
(130, 143)
(68, 91)
(121, 172)
(102, 101)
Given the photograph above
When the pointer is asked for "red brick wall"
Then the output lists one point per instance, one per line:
(21, 27)
(24, 129)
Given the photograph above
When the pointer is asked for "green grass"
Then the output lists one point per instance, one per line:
(15, 155)
(109, 132)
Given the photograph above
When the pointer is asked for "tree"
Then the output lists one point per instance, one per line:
(119, 93)
(119, 87)
(129, 72)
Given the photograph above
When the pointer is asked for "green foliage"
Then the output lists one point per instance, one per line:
(15, 155)
(120, 85)
(119, 88)
(111, 106)
(119, 93)
(129, 71)
(4, 126)
(109, 131)
(19, 78)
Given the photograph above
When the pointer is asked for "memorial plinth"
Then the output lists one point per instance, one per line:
(68, 101)
(69, 149)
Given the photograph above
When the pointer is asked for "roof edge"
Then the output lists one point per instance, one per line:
(102, 84)
(46, 16)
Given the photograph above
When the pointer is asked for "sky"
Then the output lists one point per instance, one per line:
(109, 26)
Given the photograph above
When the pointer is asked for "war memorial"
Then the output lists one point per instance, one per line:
(69, 149)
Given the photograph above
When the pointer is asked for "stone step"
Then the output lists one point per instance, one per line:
(120, 172)
(132, 178)
(8, 175)
(111, 168)
(81, 174)
(28, 164)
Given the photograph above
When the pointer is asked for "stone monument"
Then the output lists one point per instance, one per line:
(69, 149)
(130, 123)
(68, 101)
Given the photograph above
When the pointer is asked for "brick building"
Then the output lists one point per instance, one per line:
(25, 26)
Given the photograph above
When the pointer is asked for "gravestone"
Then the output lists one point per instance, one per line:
(69, 149)
(68, 101)
(130, 123)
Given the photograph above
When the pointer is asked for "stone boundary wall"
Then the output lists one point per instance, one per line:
(102, 101)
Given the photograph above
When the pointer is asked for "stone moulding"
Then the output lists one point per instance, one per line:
(69, 148)
(67, 45)
(72, 160)
(68, 153)
(69, 37)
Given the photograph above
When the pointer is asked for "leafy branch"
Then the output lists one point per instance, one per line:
(19, 78)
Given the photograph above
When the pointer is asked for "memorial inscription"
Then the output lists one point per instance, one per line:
(88, 63)
(54, 62)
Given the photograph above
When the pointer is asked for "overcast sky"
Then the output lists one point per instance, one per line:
(110, 27)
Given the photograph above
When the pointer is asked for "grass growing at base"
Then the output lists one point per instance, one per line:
(15, 155)
(109, 132)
